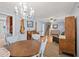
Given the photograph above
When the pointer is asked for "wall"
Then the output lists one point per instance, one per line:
(2, 22)
(17, 25)
(61, 27)
(60, 23)
(41, 27)
(16, 28)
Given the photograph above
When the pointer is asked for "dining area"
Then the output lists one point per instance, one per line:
(30, 29)
(28, 48)
(24, 48)
(19, 39)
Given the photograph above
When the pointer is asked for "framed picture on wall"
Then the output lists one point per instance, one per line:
(55, 26)
(29, 23)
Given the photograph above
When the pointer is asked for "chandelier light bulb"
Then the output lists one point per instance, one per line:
(31, 8)
(25, 7)
(31, 12)
(16, 8)
(23, 10)
(20, 3)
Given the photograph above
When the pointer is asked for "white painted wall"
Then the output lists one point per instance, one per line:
(16, 25)
(59, 21)
(41, 27)
(61, 26)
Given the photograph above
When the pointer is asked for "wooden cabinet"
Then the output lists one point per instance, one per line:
(69, 44)
(29, 35)
(70, 32)
(62, 45)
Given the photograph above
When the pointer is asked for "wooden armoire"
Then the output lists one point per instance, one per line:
(70, 33)
(68, 44)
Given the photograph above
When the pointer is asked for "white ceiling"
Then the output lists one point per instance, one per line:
(42, 9)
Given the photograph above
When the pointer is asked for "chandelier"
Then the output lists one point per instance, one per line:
(23, 10)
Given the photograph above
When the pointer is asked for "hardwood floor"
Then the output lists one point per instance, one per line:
(52, 50)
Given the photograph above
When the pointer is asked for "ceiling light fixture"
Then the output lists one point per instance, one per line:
(23, 10)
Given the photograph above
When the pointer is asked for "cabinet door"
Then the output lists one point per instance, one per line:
(62, 44)
(70, 47)
(70, 34)
(9, 23)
